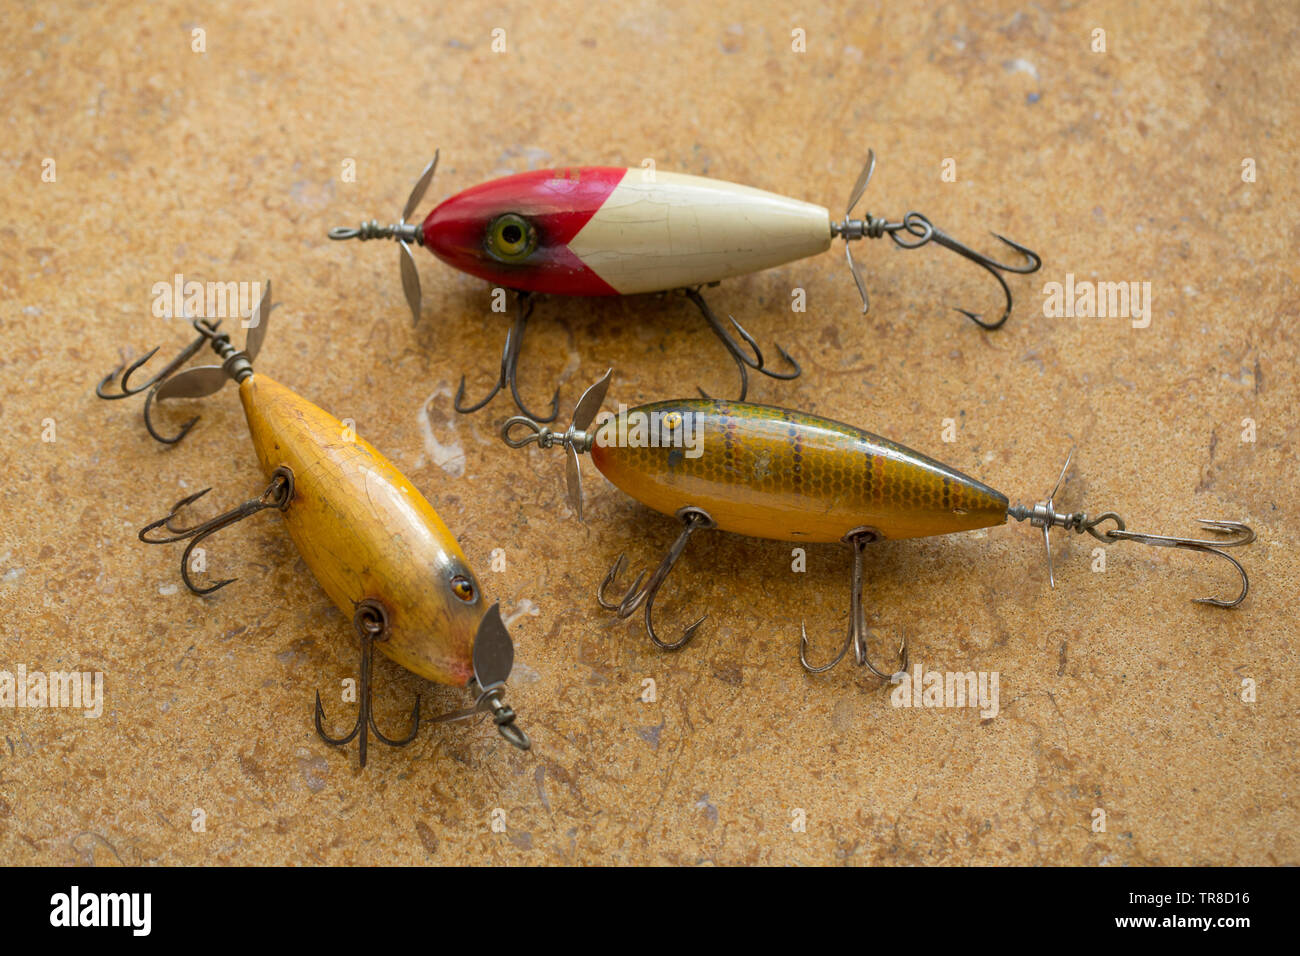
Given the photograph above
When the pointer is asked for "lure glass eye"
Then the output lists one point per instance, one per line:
(511, 237)
(462, 588)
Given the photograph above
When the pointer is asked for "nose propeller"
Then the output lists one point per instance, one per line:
(404, 232)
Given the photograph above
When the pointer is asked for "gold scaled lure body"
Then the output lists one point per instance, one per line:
(771, 472)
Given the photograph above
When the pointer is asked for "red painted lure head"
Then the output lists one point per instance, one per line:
(515, 231)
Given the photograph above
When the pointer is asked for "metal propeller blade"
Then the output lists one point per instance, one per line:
(257, 324)
(420, 188)
(583, 415)
(573, 480)
(860, 186)
(494, 651)
(1051, 503)
(193, 383)
(857, 278)
(589, 405)
(406, 261)
(855, 195)
(410, 279)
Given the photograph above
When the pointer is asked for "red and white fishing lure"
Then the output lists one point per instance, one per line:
(604, 230)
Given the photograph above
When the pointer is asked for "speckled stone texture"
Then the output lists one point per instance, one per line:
(1117, 693)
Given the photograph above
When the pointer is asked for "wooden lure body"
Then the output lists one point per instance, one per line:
(774, 473)
(367, 533)
(600, 230)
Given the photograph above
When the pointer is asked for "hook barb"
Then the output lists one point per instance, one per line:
(1236, 534)
(693, 519)
(745, 352)
(856, 636)
(509, 373)
(153, 431)
(993, 267)
(126, 390)
(371, 623)
(277, 495)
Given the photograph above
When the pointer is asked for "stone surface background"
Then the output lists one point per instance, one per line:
(1117, 692)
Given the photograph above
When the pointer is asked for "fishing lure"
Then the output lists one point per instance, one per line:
(601, 230)
(374, 543)
(774, 473)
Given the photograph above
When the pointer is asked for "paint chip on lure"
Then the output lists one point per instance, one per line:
(600, 231)
(373, 542)
(774, 473)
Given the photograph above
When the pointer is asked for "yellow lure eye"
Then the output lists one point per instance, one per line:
(463, 588)
(672, 420)
(510, 237)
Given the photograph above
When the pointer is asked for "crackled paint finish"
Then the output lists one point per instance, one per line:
(600, 230)
(774, 473)
(366, 532)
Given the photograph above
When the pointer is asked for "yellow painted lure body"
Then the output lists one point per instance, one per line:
(366, 533)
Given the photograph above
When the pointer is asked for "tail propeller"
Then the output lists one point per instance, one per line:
(923, 232)
(1232, 534)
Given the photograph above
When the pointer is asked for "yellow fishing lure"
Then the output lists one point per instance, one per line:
(375, 544)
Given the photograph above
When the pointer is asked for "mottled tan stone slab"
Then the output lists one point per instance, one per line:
(1116, 691)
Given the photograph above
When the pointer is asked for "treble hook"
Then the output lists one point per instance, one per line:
(1238, 534)
(1045, 516)
(126, 391)
(277, 495)
(371, 623)
(924, 231)
(510, 366)
(856, 638)
(736, 350)
(693, 519)
(201, 380)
